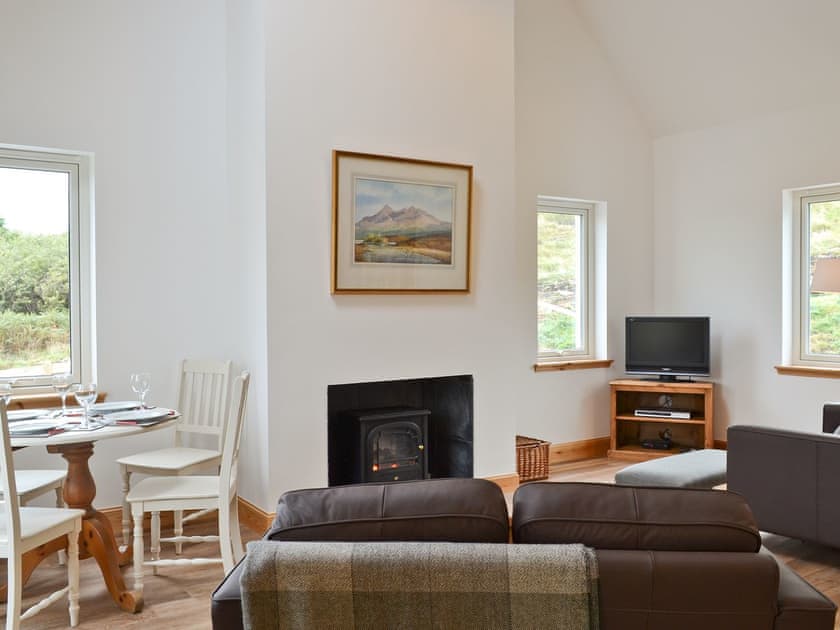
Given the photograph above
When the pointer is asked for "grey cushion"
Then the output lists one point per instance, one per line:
(704, 468)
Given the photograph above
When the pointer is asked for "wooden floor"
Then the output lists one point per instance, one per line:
(176, 599)
(179, 597)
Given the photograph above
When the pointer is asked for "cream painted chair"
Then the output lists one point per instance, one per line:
(202, 402)
(25, 528)
(195, 492)
(33, 483)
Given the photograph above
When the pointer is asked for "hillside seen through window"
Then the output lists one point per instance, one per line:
(34, 272)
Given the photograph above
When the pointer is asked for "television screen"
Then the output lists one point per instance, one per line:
(667, 346)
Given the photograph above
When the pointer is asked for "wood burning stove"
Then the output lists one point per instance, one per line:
(386, 444)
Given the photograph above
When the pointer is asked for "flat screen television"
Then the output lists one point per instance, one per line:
(667, 347)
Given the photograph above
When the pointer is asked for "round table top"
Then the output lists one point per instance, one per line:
(80, 437)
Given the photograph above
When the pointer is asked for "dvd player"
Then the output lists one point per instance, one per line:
(681, 414)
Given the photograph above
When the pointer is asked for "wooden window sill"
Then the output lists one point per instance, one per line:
(587, 364)
(807, 370)
(42, 401)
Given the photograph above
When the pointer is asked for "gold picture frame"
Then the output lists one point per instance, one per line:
(400, 225)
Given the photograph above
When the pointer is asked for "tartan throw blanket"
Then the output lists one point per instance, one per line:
(419, 585)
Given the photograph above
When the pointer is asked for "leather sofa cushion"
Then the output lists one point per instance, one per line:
(605, 516)
(658, 590)
(453, 510)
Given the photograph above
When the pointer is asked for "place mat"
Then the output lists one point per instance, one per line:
(110, 407)
(142, 417)
(35, 428)
(26, 414)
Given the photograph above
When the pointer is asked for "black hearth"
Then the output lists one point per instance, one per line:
(446, 405)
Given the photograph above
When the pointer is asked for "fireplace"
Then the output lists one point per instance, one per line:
(390, 444)
(408, 429)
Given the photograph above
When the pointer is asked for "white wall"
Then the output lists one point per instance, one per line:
(246, 253)
(430, 80)
(577, 135)
(143, 87)
(718, 246)
(212, 124)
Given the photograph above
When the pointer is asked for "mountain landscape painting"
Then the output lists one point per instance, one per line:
(400, 222)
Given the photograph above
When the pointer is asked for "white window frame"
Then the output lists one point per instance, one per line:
(796, 275)
(591, 284)
(79, 167)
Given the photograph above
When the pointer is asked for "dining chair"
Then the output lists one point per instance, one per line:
(202, 403)
(194, 492)
(33, 483)
(25, 528)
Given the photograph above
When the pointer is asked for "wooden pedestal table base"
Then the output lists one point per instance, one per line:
(97, 538)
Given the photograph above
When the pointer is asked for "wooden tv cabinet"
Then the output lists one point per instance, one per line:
(627, 430)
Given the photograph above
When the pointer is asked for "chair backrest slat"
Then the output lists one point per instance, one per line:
(233, 434)
(203, 398)
(10, 510)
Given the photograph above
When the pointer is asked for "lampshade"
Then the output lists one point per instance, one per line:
(826, 275)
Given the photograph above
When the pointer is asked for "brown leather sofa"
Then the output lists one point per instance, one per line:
(789, 478)
(667, 558)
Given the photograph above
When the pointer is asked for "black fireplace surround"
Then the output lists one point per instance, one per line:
(386, 420)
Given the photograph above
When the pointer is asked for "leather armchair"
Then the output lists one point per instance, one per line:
(789, 478)
(831, 417)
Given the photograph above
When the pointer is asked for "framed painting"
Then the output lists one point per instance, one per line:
(400, 225)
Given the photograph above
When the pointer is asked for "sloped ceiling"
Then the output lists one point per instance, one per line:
(690, 64)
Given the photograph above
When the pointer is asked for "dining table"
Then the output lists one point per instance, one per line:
(97, 538)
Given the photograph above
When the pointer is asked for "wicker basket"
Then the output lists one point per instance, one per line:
(531, 458)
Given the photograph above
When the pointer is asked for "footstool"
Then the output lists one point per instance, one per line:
(705, 468)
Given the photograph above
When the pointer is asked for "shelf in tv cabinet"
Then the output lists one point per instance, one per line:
(627, 430)
(635, 418)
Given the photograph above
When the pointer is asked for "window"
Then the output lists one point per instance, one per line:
(813, 235)
(565, 278)
(45, 292)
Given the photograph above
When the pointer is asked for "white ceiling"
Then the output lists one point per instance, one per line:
(690, 64)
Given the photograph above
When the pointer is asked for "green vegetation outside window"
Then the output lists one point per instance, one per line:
(821, 312)
(563, 289)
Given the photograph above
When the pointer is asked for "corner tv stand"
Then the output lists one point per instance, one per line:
(629, 430)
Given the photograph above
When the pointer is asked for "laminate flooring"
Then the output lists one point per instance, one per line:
(179, 597)
(176, 599)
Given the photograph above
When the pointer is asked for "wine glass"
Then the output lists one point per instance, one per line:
(141, 383)
(85, 393)
(61, 384)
